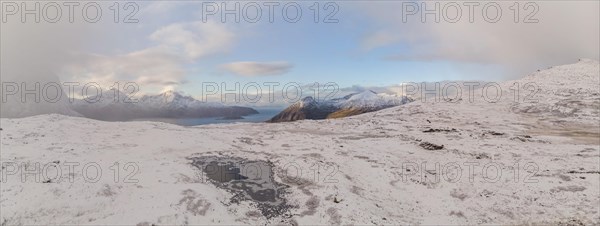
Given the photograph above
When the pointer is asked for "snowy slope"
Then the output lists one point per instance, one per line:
(568, 91)
(382, 166)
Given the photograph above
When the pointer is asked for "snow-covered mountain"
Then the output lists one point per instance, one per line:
(569, 91)
(372, 100)
(115, 105)
(352, 104)
(422, 163)
(175, 100)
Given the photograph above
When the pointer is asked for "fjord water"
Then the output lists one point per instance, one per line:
(263, 115)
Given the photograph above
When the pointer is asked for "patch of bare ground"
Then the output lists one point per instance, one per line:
(580, 133)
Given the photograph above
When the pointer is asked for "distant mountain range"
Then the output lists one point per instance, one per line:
(352, 104)
(116, 106)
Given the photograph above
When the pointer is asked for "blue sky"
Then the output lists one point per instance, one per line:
(172, 48)
(334, 52)
(326, 52)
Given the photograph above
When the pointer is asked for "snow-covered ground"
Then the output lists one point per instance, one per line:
(509, 162)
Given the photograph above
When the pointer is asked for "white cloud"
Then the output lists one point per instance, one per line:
(148, 67)
(195, 39)
(158, 66)
(565, 32)
(154, 53)
(249, 68)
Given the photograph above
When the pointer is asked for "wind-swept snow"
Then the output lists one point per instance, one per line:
(516, 166)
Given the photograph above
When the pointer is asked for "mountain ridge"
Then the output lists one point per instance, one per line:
(169, 104)
(351, 104)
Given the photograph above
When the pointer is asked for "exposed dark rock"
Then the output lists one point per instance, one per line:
(583, 172)
(493, 133)
(336, 200)
(430, 130)
(307, 108)
(430, 146)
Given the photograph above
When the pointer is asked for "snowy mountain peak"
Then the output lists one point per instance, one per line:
(171, 96)
(583, 74)
(364, 95)
(306, 101)
(169, 93)
(370, 99)
(169, 104)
